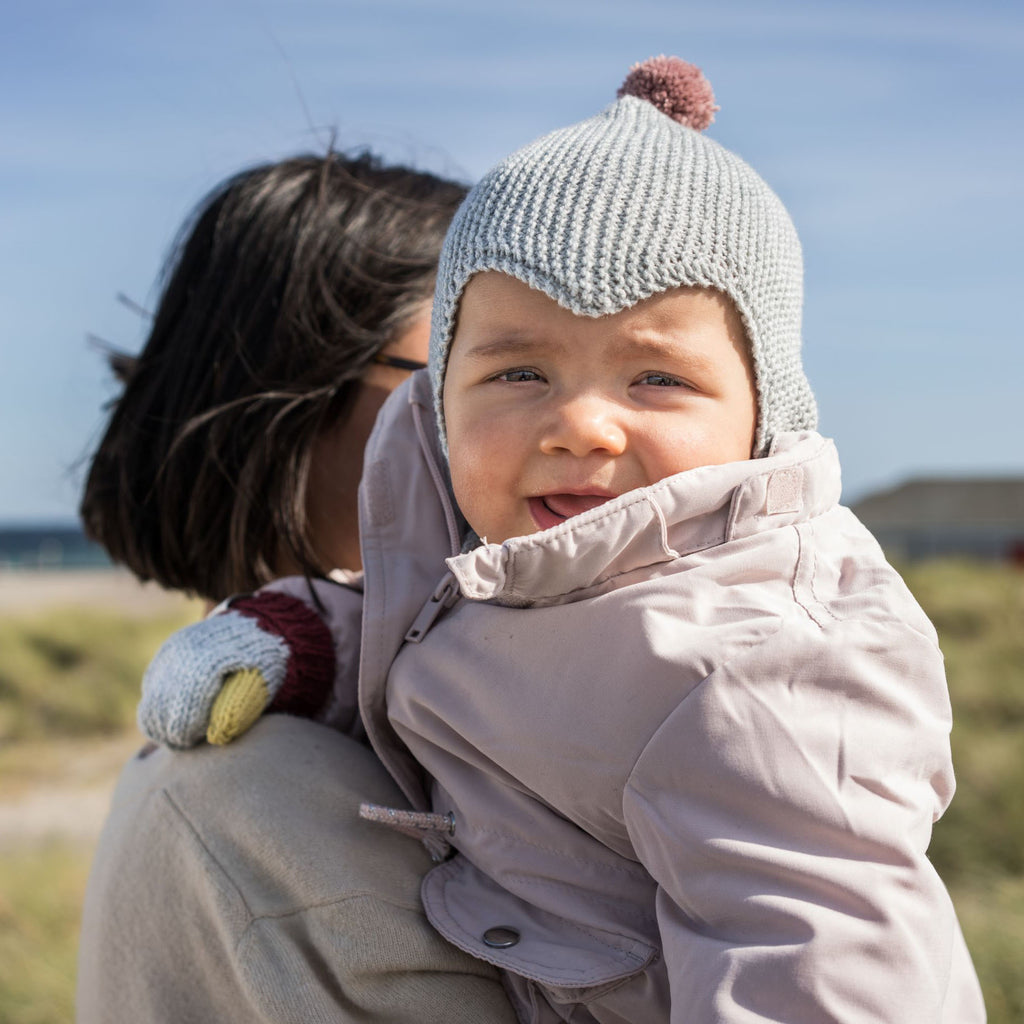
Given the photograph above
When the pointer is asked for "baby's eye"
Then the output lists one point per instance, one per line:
(661, 380)
(518, 376)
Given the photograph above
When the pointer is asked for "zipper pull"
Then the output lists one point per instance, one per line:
(446, 594)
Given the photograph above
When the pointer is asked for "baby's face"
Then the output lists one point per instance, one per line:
(550, 414)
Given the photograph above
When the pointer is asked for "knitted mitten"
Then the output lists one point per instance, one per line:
(268, 650)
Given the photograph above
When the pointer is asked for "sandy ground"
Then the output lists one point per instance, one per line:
(71, 801)
(111, 588)
(64, 791)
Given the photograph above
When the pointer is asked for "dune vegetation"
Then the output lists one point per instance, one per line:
(978, 845)
(69, 684)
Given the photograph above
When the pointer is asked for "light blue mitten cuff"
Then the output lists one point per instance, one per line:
(187, 673)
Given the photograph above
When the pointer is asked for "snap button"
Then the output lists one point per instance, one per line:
(500, 938)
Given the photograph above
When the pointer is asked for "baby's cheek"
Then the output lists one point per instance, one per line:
(708, 442)
(469, 484)
(485, 500)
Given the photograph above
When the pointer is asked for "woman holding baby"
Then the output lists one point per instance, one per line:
(673, 729)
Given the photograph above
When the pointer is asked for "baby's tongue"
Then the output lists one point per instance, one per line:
(573, 504)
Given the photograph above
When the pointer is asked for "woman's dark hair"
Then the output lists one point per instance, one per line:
(284, 284)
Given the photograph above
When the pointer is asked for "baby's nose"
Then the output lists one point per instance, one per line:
(583, 425)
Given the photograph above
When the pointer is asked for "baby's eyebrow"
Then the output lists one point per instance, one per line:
(667, 351)
(506, 345)
(661, 349)
(656, 347)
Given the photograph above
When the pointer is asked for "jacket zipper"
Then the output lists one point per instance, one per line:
(443, 597)
(447, 591)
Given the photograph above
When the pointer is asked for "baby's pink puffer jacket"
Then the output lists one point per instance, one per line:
(688, 747)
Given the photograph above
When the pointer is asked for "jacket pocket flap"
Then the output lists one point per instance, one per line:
(475, 914)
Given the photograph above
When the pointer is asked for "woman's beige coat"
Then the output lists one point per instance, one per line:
(690, 744)
(239, 886)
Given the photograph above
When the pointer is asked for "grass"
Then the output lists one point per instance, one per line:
(978, 846)
(40, 896)
(75, 672)
(69, 678)
(991, 911)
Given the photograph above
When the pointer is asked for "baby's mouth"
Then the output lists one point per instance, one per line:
(550, 509)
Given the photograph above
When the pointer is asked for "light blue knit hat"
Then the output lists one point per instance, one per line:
(630, 203)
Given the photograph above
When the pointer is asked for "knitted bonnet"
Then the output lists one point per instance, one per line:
(630, 203)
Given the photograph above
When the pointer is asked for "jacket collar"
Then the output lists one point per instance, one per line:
(680, 515)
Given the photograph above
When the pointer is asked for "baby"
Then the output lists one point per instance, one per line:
(674, 728)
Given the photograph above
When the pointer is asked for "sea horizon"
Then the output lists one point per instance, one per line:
(49, 545)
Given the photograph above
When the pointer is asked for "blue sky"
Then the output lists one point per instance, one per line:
(892, 131)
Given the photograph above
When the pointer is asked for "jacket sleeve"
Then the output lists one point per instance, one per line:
(241, 886)
(784, 809)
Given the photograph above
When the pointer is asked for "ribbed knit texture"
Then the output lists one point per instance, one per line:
(279, 636)
(310, 675)
(620, 207)
(241, 701)
(186, 674)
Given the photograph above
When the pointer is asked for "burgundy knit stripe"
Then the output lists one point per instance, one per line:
(309, 677)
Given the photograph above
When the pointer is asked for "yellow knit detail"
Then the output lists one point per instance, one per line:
(242, 700)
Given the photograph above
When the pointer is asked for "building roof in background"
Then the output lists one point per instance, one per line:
(947, 501)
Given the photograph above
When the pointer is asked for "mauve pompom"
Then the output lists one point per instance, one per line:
(675, 87)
